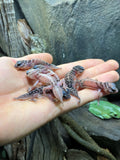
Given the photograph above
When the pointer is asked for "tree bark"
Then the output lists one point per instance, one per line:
(10, 40)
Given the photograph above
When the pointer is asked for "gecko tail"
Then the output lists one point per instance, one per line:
(22, 97)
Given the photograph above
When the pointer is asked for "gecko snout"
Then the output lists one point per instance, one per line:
(35, 67)
(27, 72)
(114, 88)
(18, 64)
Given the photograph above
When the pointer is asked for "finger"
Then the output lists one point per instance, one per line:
(85, 63)
(87, 95)
(100, 68)
(43, 56)
(111, 76)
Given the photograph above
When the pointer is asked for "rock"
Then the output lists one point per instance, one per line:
(76, 29)
(107, 129)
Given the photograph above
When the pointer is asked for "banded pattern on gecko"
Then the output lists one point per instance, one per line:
(32, 94)
(35, 71)
(70, 79)
(105, 87)
(46, 79)
(27, 64)
(38, 92)
(48, 83)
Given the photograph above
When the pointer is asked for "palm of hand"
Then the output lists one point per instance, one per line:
(12, 80)
(18, 118)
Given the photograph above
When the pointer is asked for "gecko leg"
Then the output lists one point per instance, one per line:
(34, 86)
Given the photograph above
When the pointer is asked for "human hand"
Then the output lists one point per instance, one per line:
(18, 118)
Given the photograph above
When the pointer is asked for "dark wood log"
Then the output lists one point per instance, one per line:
(74, 154)
(10, 40)
(47, 145)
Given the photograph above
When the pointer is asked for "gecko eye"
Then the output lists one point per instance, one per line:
(35, 67)
(27, 72)
(114, 88)
(80, 68)
(18, 64)
(30, 71)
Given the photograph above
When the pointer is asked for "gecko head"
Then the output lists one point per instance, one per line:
(31, 73)
(113, 88)
(78, 69)
(19, 64)
(66, 93)
(36, 66)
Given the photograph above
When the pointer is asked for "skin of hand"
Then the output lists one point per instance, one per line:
(19, 118)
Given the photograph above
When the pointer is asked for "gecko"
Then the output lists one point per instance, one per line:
(44, 74)
(48, 80)
(43, 69)
(27, 64)
(32, 94)
(70, 79)
(38, 92)
(105, 87)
